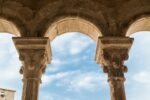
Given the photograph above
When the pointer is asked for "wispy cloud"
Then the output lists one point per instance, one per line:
(76, 80)
(88, 81)
(72, 43)
(49, 79)
(142, 77)
(9, 60)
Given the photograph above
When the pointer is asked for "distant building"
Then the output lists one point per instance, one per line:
(6, 94)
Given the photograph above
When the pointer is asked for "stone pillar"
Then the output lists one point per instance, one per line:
(111, 53)
(34, 54)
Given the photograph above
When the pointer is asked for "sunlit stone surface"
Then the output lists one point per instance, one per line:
(108, 22)
(6, 94)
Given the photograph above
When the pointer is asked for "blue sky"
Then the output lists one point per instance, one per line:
(73, 73)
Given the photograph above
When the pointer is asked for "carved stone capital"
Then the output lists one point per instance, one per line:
(34, 54)
(111, 53)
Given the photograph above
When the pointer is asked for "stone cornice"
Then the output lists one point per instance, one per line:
(115, 42)
(111, 43)
(34, 43)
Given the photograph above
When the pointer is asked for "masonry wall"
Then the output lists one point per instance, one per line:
(6, 94)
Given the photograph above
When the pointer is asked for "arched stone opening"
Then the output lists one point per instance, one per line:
(73, 64)
(8, 27)
(68, 25)
(73, 24)
(142, 24)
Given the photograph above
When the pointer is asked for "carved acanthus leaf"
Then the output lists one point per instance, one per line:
(111, 53)
(33, 60)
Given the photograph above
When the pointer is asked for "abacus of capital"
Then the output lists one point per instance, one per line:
(35, 53)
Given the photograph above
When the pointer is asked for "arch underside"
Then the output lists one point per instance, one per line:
(75, 24)
(142, 24)
(8, 27)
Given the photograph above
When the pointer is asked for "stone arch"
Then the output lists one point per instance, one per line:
(7, 26)
(73, 24)
(140, 24)
(18, 14)
(57, 10)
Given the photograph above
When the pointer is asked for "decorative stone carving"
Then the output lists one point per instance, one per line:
(113, 62)
(34, 54)
(33, 60)
(111, 53)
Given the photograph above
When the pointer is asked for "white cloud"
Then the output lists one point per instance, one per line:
(49, 79)
(56, 65)
(46, 96)
(52, 96)
(142, 77)
(72, 43)
(89, 81)
(10, 74)
(76, 80)
(10, 64)
(139, 86)
(60, 42)
(58, 61)
(5, 38)
(53, 68)
(77, 46)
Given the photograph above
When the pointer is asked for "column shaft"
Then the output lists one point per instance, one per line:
(30, 89)
(116, 81)
(117, 90)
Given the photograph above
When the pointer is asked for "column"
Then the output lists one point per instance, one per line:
(111, 54)
(34, 54)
